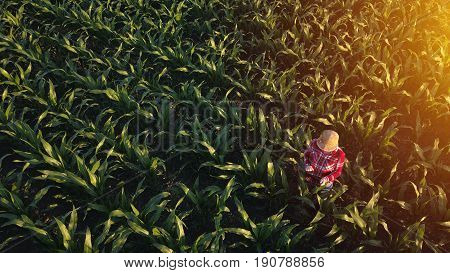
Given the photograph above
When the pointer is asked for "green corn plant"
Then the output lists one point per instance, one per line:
(14, 212)
(264, 174)
(370, 130)
(212, 241)
(165, 235)
(367, 222)
(411, 240)
(202, 199)
(424, 199)
(431, 157)
(363, 174)
(210, 200)
(273, 230)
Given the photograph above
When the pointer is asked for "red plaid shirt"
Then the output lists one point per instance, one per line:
(325, 164)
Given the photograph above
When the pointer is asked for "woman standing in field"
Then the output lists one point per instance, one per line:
(324, 160)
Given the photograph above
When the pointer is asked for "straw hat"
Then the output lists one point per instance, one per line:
(328, 141)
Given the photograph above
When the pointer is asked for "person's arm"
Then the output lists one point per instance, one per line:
(338, 170)
(307, 155)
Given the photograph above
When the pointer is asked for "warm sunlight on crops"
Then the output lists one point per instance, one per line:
(181, 125)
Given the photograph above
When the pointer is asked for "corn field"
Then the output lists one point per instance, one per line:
(179, 126)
